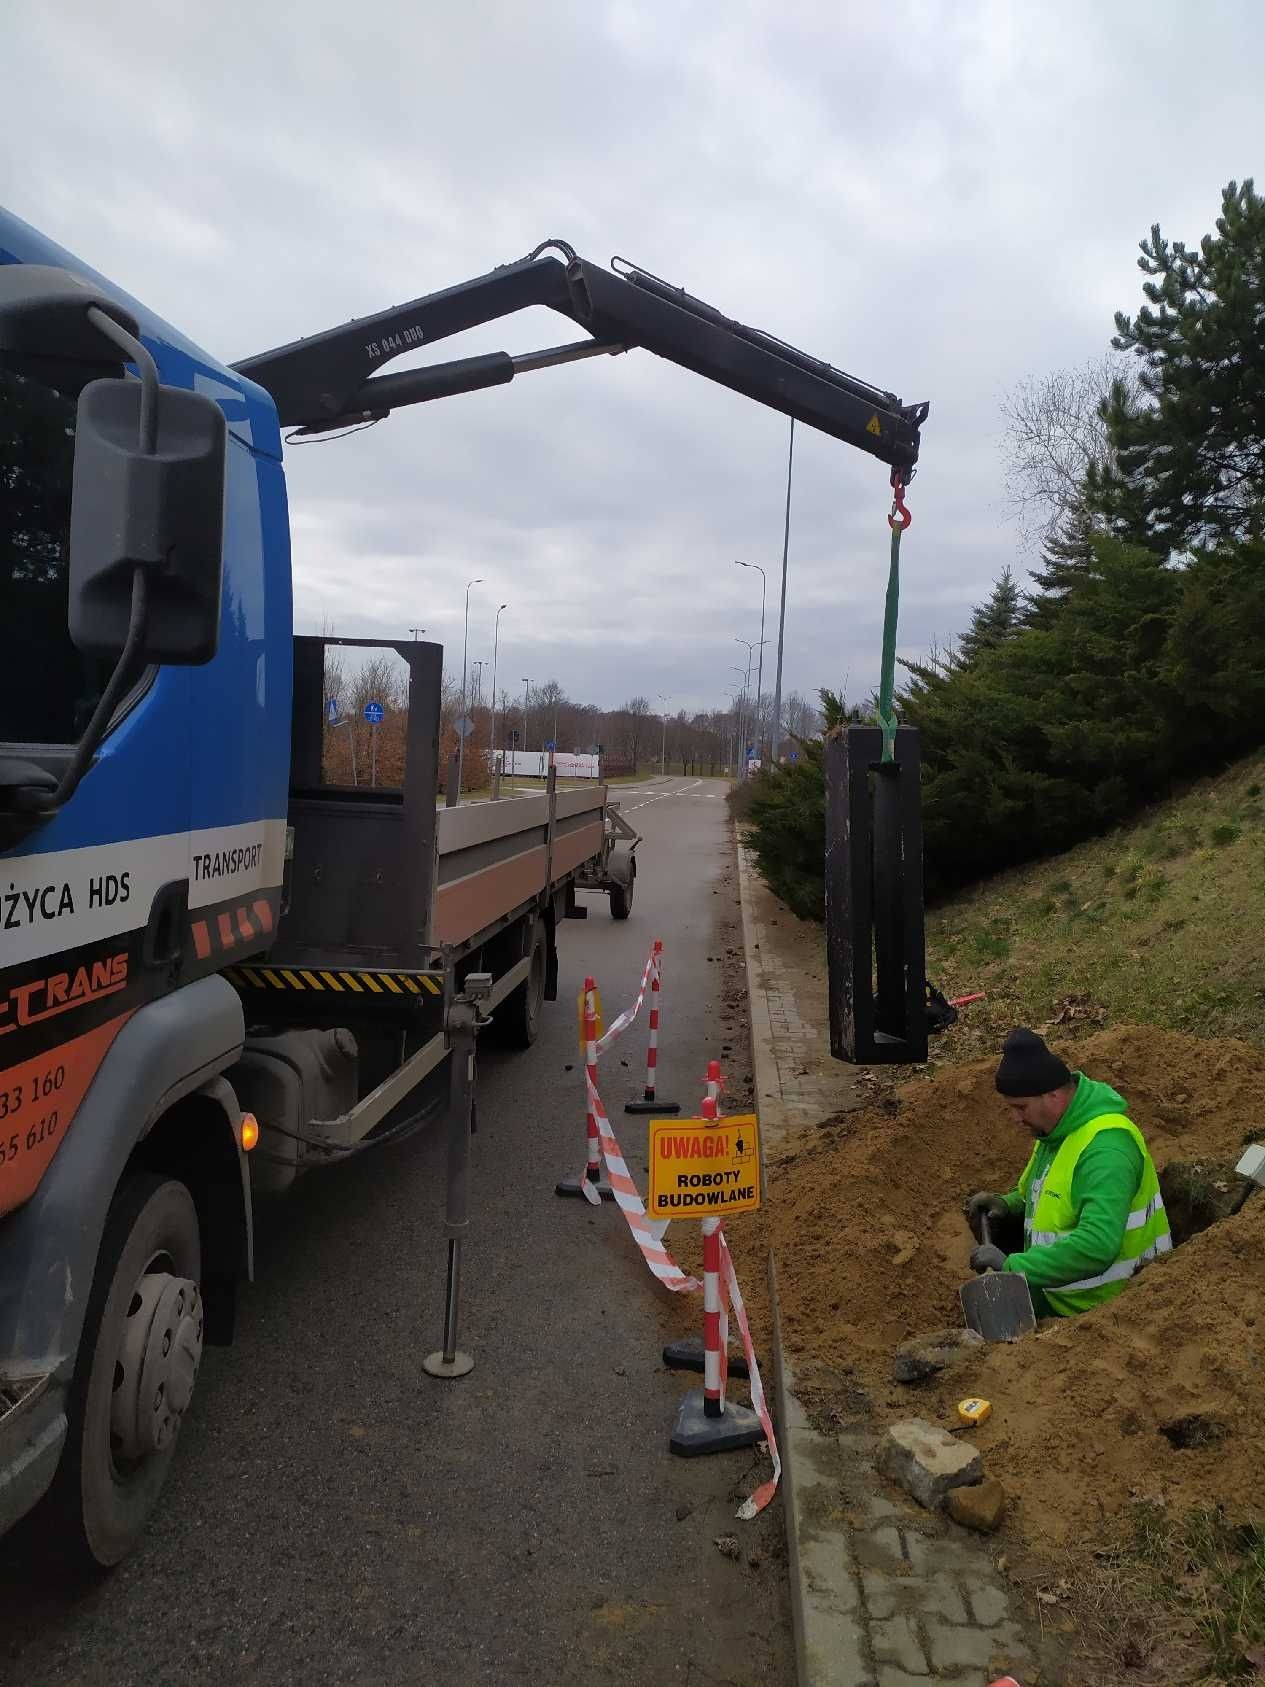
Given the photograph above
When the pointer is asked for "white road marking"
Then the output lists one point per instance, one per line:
(677, 793)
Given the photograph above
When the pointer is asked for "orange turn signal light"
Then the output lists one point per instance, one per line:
(250, 1131)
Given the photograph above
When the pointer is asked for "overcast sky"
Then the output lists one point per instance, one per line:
(939, 198)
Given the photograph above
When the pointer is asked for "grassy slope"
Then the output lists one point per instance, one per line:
(1161, 922)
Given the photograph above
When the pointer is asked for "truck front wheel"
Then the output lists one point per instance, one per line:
(135, 1374)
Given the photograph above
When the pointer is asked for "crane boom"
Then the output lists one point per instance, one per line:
(332, 380)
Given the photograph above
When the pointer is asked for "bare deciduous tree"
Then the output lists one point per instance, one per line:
(1053, 431)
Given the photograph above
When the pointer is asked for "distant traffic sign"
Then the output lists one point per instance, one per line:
(465, 726)
(331, 710)
(550, 744)
(375, 714)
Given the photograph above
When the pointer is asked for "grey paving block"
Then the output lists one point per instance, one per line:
(880, 1549)
(891, 1675)
(828, 1574)
(886, 1596)
(836, 1654)
(989, 1604)
(927, 1461)
(896, 1641)
(936, 1555)
(962, 1648)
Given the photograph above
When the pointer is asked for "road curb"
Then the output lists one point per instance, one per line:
(831, 1646)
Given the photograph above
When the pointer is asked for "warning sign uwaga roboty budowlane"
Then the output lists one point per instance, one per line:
(704, 1168)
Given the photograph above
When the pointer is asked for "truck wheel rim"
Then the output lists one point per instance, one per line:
(156, 1365)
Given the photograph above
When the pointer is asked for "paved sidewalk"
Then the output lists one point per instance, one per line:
(883, 1593)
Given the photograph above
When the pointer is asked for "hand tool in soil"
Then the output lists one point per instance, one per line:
(999, 1303)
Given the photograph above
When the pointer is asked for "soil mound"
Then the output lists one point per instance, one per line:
(1158, 1395)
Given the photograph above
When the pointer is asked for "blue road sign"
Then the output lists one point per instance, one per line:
(331, 709)
(794, 755)
(550, 744)
(375, 714)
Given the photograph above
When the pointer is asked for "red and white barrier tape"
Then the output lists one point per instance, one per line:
(625, 1019)
(764, 1493)
(644, 1232)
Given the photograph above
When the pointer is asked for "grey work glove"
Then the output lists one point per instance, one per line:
(992, 1206)
(988, 1258)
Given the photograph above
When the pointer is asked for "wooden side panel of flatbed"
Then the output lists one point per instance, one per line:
(496, 857)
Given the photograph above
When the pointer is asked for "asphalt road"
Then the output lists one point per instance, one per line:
(334, 1515)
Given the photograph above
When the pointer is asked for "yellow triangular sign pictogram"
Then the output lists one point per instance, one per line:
(872, 425)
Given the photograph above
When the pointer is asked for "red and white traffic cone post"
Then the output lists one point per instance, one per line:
(648, 1103)
(705, 1421)
(590, 1183)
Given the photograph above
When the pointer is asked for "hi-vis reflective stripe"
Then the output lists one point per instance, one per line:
(1121, 1269)
(336, 982)
(1135, 1221)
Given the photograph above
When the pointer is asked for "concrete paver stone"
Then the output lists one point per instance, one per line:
(927, 1461)
(896, 1641)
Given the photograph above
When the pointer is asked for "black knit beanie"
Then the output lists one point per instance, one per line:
(1027, 1066)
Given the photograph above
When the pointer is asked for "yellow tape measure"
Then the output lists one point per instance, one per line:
(974, 1411)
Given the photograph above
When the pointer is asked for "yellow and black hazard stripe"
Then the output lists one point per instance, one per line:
(356, 982)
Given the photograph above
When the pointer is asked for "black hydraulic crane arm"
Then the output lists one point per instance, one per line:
(331, 380)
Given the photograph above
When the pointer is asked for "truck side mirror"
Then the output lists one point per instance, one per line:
(146, 516)
(159, 509)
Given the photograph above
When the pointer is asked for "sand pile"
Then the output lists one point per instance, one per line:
(867, 1225)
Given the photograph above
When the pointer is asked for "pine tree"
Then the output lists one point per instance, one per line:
(1190, 458)
(992, 622)
(1067, 559)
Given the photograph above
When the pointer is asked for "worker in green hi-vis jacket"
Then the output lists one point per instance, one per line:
(1089, 1197)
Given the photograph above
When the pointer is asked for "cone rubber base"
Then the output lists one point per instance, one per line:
(575, 1186)
(687, 1355)
(694, 1433)
(435, 1365)
(652, 1106)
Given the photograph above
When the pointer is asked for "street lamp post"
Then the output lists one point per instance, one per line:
(740, 760)
(496, 639)
(759, 684)
(731, 692)
(526, 705)
(663, 742)
(465, 645)
(781, 618)
(750, 644)
(415, 631)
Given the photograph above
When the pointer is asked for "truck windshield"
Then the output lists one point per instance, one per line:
(48, 689)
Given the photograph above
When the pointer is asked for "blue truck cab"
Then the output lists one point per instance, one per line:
(119, 1139)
